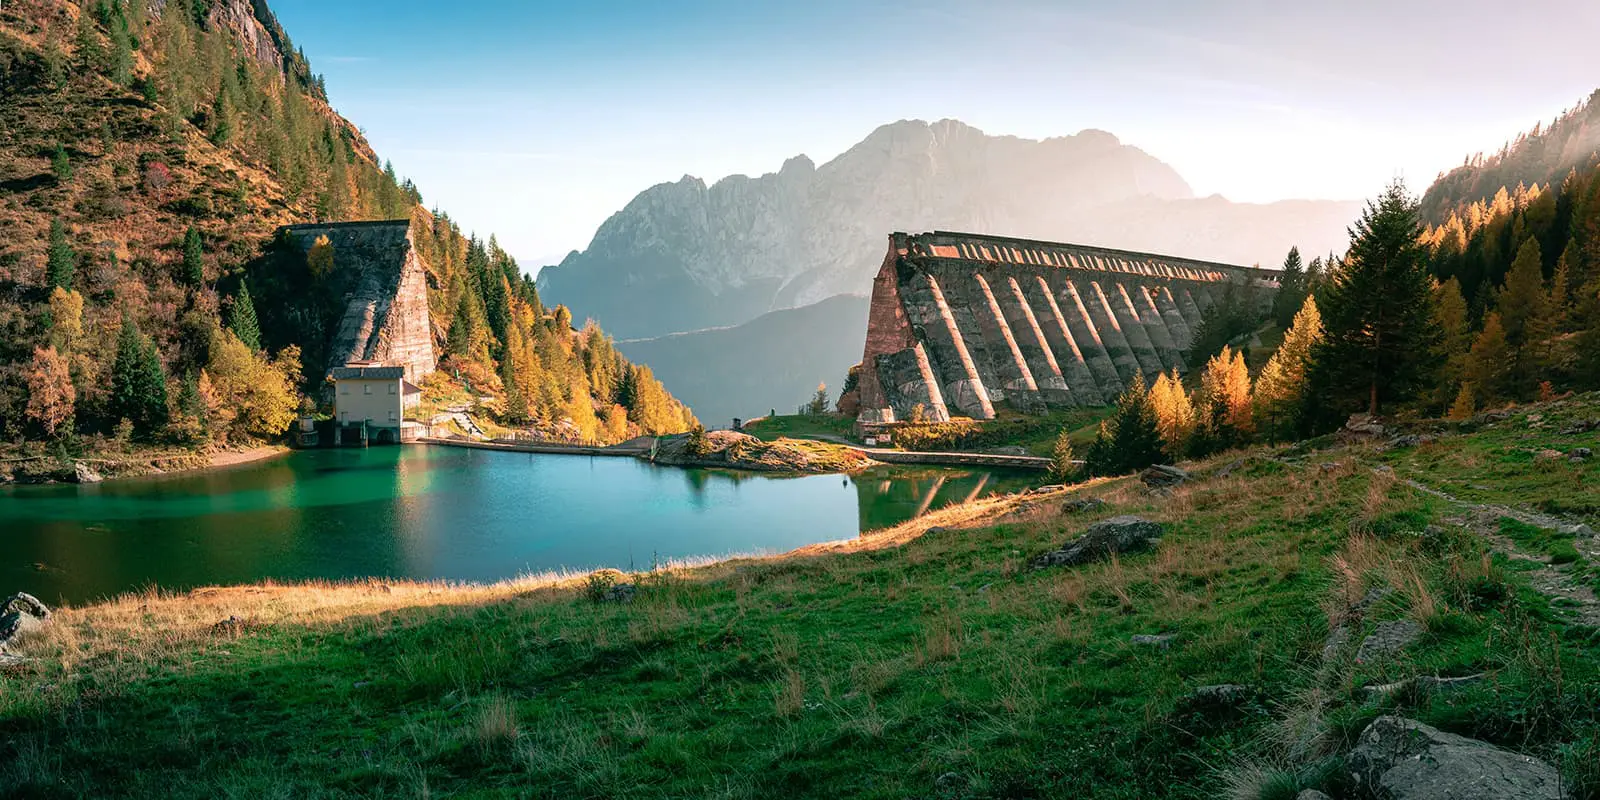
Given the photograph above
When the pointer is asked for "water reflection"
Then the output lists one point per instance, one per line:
(421, 512)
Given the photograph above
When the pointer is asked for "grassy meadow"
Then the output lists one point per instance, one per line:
(926, 660)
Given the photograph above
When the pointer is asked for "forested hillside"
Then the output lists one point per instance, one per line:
(147, 152)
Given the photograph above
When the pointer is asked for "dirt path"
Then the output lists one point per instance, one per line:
(1556, 581)
(229, 458)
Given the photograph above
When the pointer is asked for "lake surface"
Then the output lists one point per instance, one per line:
(433, 513)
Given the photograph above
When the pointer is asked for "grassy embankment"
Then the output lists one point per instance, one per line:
(906, 663)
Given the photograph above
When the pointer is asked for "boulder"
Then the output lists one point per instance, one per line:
(1362, 427)
(1124, 534)
(27, 604)
(20, 614)
(1311, 794)
(1402, 759)
(1082, 504)
(1163, 476)
(83, 473)
(1580, 454)
(1161, 640)
(1217, 699)
(620, 593)
(1388, 638)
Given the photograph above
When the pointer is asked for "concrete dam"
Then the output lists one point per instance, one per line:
(962, 323)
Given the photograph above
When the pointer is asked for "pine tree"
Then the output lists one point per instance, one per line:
(1380, 341)
(221, 120)
(194, 258)
(1522, 303)
(1131, 440)
(61, 263)
(138, 381)
(459, 341)
(61, 164)
(1062, 467)
(1281, 387)
(1291, 289)
(242, 318)
(819, 401)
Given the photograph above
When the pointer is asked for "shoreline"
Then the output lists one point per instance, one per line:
(317, 596)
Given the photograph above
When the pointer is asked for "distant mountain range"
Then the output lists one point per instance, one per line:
(771, 362)
(685, 256)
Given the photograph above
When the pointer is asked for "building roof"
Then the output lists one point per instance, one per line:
(367, 373)
(1004, 250)
(407, 387)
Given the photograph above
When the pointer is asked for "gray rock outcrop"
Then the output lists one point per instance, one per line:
(1162, 476)
(20, 615)
(1124, 534)
(1387, 639)
(1402, 759)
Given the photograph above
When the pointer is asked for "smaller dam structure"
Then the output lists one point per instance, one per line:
(964, 323)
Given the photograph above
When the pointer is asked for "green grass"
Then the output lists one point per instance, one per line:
(1555, 544)
(1517, 462)
(942, 667)
(801, 426)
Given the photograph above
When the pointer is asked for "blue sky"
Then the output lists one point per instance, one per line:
(535, 120)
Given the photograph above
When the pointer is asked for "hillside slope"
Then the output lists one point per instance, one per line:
(1313, 591)
(149, 152)
(685, 256)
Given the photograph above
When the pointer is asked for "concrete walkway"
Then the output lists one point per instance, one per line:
(630, 448)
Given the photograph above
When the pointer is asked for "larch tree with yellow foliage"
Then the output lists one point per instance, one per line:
(1225, 410)
(1281, 387)
(1175, 415)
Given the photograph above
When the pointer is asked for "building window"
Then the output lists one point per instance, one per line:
(366, 388)
(393, 416)
(344, 388)
(394, 388)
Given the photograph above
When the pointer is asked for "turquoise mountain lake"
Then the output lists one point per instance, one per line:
(433, 513)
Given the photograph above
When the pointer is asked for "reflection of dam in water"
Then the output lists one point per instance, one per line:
(894, 497)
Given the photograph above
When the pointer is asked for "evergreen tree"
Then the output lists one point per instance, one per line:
(138, 381)
(194, 258)
(1588, 338)
(459, 341)
(61, 164)
(242, 318)
(819, 401)
(1380, 342)
(1062, 467)
(516, 407)
(221, 120)
(1291, 290)
(1132, 439)
(61, 263)
(1522, 303)
(1450, 314)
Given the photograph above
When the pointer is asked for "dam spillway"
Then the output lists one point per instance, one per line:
(961, 324)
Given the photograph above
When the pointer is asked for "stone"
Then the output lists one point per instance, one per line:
(1217, 699)
(27, 604)
(1548, 455)
(1580, 453)
(1161, 640)
(1163, 476)
(1228, 470)
(620, 593)
(83, 473)
(1422, 685)
(230, 627)
(1124, 534)
(1387, 639)
(1362, 427)
(1581, 426)
(1408, 440)
(10, 662)
(951, 782)
(1082, 504)
(1311, 794)
(15, 625)
(1402, 759)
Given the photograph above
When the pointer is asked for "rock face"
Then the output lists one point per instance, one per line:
(1125, 534)
(1388, 638)
(386, 314)
(1402, 759)
(1163, 476)
(685, 256)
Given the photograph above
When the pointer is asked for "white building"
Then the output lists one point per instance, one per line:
(376, 394)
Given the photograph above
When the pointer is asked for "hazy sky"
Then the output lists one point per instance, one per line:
(536, 120)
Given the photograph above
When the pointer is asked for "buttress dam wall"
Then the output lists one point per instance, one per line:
(962, 323)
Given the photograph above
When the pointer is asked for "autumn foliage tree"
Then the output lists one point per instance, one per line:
(51, 395)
